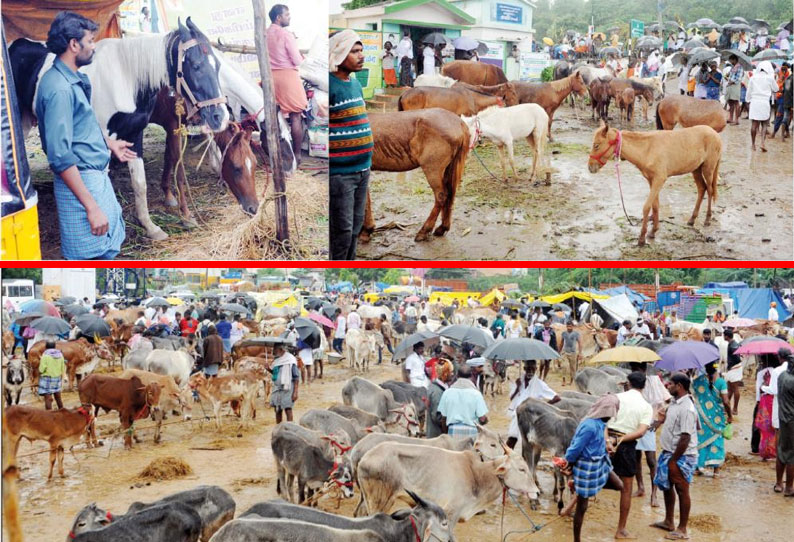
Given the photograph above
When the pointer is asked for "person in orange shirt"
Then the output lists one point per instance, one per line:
(782, 75)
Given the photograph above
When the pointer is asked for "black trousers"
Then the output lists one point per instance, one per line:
(347, 203)
(755, 439)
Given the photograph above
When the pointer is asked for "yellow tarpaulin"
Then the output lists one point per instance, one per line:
(584, 296)
(446, 298)
(175, 301)
(399, 289)
(371, 298)
(491, 297)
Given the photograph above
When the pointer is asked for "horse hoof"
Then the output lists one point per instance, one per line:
(421, 237)
(690, 222)
(441, 230)
(534, 504)
(157, 234)
(189, 223)
(170, 201)
(641, 243)
(652, 235)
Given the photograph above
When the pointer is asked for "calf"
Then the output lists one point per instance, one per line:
(494, 376)
(171, 397)
(60, 428)
(260, 366)
(461, 483)
(309, 458)
(130, 397)
(425, 521)
(596, 382)
(173, 521)
(545, 427)
(8, 342)
(327, 422)
(15, 377)
(368, 396)
(214, 505)
(222, 389)
(363, 419)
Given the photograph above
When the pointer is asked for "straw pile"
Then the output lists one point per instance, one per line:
(165, 468)
(709, 523)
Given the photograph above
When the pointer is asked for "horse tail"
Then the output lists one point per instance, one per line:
(659, 125)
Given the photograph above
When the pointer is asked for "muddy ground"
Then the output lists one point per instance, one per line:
(579, 216)
(213, 206)
(738, 506)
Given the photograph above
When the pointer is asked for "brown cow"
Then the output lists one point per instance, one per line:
(474, 73)
(60, 428)
(120, 335)
(171, 397)
(8, 342)
(260, 366)
(227, 388)
(131, 398)
(79, 354)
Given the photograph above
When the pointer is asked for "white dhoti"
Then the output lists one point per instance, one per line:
(760, 110)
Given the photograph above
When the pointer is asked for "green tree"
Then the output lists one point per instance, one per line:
(393, 275)
(23, 273)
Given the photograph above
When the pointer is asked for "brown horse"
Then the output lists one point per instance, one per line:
(688, 111)
(242, 183)
(459, 100)
(435, 140)
(550, 95)
(506, 91)
(600, 97)
(625, 100)
(618, 85)
(659, 155)
(474, 73)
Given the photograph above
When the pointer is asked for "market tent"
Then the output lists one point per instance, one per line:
(32, 18)
(635, 297)
(584, 296)
(725, 285)
(491, 297)
(399, 290)
(342, 287)
(754, 303)
(615, 309)
(446, 298)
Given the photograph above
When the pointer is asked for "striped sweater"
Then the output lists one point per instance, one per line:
(348, 128)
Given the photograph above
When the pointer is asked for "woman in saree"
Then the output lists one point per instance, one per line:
(763, 418)
(711, 400)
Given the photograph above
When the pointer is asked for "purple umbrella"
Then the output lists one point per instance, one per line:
(684, 355)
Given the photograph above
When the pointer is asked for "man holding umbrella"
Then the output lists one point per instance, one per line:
(528, 387)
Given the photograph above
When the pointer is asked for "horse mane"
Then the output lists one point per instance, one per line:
(150, 69)
(562, 84)
(488, 111)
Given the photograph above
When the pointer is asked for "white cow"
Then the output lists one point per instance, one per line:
(176, 363)
(361, 345)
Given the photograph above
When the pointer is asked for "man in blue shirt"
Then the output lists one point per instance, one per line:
(89, 215)
(462, 407)
(225, 333)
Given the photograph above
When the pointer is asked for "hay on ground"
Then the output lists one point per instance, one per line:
(734, 460)
(165, 468)
(709, 523)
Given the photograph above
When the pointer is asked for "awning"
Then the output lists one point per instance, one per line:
(32, 18)
(618, 308)
(584, 296)
(491, 297)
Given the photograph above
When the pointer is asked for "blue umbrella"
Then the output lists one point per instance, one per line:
(684, 355)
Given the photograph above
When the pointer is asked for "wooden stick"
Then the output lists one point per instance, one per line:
(234, 48)
(271, 123)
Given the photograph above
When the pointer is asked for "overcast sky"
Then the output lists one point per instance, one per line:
(336, 6)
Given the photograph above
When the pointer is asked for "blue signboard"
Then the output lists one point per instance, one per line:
(233, 275)
(507, 13)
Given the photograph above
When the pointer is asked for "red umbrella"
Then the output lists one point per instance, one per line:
(768, 345)
(320, 319)
(411, 299)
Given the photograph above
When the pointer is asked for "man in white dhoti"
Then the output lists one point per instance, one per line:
(527, 387)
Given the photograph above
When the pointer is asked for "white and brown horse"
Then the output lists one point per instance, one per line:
(550, 95)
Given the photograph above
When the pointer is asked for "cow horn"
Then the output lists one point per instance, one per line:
(419, 500)
(97, 339)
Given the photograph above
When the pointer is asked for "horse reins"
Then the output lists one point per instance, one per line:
(618, 144)
(183, 89)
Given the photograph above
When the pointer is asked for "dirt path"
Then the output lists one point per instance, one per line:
(213, 206)
(579, 217)
(738, 506)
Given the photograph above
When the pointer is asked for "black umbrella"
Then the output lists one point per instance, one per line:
(308, 331)
(694, 43)
(740, 20)
(789, 26)
(770, 54)
(649, 42)
(103, 302)
(482, 48)
(520, 349)
(67, 300)
(510, 304)
(314, 304)
(744, 60)
(468, 334)
(760, 22)
(27, 318)
(329, 309)
(158, 302)
(407, 345)
(74, 310)
(738, 27)
(91, 324)
(435, 38)
(705, 22)
(51, 325)
(699, 56)
(609, 50)
(540, 303)
(234, 307)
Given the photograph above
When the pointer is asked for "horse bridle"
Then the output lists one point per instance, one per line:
(616, 143)
(181, 86)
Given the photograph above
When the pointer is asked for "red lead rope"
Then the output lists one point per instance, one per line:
(618, 143)
(416, 531)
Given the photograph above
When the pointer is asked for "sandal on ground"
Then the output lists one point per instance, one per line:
(675, 535)
(778, 488)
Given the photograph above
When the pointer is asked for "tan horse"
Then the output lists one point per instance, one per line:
(474, 73)
(625, 100)
(550, 95)
(433, 139)
(689, 111)
(461, 101)
(659, 155)
(506, 91)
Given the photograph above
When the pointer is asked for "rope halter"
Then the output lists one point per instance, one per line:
(183, 89)
(614, 142)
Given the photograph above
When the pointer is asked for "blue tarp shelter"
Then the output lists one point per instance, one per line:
(754, 303)
(380, 286)
(725, 285)
(342, 287)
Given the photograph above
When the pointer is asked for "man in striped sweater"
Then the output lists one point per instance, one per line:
(350, 145)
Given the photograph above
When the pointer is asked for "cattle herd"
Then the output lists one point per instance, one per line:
(369, 443)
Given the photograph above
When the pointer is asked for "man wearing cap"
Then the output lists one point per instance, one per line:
(772, 314)
(462, 407)
(351, 145)
(641, 329)
(414, 368)
(528, 387)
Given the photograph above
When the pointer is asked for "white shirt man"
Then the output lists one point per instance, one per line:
(425, 311)
(772, 389)
(472, 303)
(623, 333)
(353, 320)
(772, 314)
(415, 365)
(410, 312)
(513, 329)
(341, 325)
(641, 328)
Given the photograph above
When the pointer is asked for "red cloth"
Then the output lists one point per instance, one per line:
(188, 326)
(389, 76)
(430, 368)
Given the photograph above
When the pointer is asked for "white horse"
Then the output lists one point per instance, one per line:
(503, 125)
(434, 80)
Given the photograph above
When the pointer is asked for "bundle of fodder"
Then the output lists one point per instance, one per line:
(165, 468)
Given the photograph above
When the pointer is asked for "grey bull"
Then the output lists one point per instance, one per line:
(366, 395)
(168, 522)
(254, 529)
(362, 418)
(327, 422)
(213, 504)
(596, 382)
(404, 392)
(426, 519)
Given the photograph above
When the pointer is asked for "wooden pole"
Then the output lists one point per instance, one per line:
(271, 122)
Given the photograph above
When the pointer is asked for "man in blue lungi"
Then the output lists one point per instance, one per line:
(89, 216)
